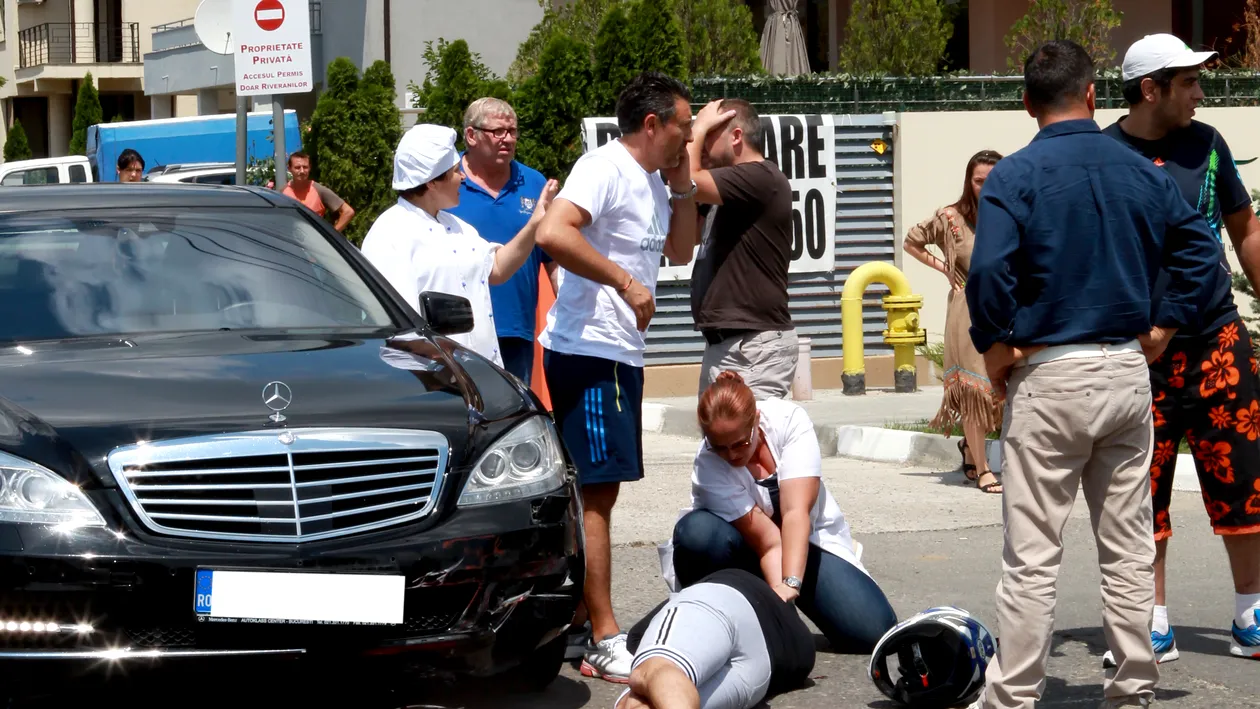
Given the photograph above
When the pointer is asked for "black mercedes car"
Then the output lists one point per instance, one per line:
(223, 434)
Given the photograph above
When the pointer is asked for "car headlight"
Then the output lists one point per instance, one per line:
(33, 494)
(524, 462)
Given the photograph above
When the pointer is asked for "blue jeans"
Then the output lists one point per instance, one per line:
(846, 604)
(518, 357)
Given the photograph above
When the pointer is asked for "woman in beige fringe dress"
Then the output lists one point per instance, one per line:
(968, 399)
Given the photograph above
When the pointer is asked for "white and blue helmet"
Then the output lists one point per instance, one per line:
(935, 660)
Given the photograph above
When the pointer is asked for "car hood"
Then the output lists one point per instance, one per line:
(67, 404)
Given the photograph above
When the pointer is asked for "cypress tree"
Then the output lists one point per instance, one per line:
(615, 61)
(551, 106)
(895, 38)
(16, 146)
(87, 112)
(380, 131)
(656, 38)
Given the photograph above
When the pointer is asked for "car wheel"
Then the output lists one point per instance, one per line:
(540, 669)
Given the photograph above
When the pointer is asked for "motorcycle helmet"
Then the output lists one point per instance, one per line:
(935, 660)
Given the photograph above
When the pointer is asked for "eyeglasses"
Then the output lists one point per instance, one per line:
(735, 447)
(499, 133)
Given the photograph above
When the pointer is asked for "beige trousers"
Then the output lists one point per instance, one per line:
(1071, 423)
(766, 361)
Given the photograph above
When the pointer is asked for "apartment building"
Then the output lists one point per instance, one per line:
(47, 46)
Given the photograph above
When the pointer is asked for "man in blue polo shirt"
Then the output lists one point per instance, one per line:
(497, 197)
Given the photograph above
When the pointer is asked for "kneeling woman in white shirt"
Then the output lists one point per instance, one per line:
(760, 505)
(419, 247)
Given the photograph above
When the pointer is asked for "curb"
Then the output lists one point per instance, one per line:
(881, 445)
(673, 420)
(884, 445)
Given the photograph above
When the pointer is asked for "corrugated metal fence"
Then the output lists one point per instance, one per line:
(864, 232)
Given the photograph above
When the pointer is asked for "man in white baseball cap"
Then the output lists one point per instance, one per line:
(1160, 51)
(1191, 399)
(418, 246)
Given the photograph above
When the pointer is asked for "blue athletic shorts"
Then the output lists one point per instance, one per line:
(598, 405)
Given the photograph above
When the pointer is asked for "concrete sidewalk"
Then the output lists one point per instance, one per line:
(828, 409)
(854, 427)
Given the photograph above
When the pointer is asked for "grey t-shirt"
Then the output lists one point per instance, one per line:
(332, 202)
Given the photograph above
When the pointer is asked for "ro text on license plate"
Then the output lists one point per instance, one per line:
(279, 595)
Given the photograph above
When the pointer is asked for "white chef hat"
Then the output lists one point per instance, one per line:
(426, 152)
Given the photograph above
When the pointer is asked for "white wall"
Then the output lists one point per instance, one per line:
(933, 149)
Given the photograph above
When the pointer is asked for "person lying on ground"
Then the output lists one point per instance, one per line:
(725, 642)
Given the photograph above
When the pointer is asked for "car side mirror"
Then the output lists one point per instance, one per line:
(446, 314)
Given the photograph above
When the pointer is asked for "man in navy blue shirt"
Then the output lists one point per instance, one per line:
(1205, 386)
(497, 197)
(1071, 233)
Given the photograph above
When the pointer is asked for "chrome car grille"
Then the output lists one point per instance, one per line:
(287, 485)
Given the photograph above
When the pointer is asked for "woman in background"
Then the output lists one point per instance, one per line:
(968, 399)
(130, 166)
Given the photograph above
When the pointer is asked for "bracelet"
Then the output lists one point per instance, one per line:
(626, 287)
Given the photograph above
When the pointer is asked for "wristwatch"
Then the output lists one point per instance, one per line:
(683, 195)
(792, 582)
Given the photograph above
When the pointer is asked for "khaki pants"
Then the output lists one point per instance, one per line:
(766, 361)
(1072, 423)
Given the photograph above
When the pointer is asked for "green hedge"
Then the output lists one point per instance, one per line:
(852, 94)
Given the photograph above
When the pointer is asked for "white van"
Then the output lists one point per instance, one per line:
(45, 171)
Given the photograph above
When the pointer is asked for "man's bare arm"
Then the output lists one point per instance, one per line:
(680, 245)
(560, 235)
(1244, 232)
(708, 120)
(344, 215)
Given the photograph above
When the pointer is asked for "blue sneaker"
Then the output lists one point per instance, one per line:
(1165, 649)
(1246, 642)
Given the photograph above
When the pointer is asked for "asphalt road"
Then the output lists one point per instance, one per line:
(929, 540)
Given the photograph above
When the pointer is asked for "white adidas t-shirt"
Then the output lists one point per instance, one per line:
(731, 493)
(630, 214)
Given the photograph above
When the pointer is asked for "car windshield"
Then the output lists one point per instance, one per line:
(133, 271)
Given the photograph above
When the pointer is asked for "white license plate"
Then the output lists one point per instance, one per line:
(299, 597)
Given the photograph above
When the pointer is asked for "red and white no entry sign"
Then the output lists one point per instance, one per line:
(269, 14)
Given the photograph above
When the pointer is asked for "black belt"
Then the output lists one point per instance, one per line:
(714, 336)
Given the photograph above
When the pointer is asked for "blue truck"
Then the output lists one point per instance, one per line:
(195, 139)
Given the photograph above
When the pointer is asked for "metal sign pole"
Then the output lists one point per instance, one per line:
(242, 133)
(278, 130)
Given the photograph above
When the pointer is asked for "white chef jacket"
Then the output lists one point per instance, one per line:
(417, 253)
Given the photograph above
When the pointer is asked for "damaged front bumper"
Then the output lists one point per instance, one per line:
(484, 588)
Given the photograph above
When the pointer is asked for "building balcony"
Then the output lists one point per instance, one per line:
(79, 43)
(67, 50)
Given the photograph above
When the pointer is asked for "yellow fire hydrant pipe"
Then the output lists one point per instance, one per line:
(903, 331)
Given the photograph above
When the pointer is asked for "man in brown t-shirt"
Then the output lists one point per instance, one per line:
(739, 297)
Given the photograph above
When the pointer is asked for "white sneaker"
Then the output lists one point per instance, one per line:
(608, 660)
(1164, 644)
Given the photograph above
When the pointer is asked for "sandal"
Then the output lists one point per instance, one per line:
(968, 469)
(989, 487)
